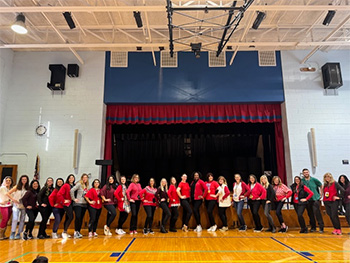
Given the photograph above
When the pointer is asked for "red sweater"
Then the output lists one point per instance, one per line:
(118, 194)
(211, 188)
(257, 192)
(94, 195)
(148, 196)
(282, 191)
(199, 189)
(53, 199)
(174, 199)
(64, 194)
(329, 192)
(245, 189)
(184, 189)
(133, 191)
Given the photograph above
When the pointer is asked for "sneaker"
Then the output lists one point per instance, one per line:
(54, 235)
(18, 236)
(90, 234)
(105, 230)
(313, 229)
(131, 232)
(200, 229)
(224, 229)
(286, 229)
(122, 231)
(173, 230)
(95, 234)
(150, 231)
(273, 230)
(303, 231)
(30, 236)
(25, 236)
(335, 232)
(135, 232)
(77, 234)
(258, 230)
(64, 235)
(268, 230)
(210, 229)
(321, 230)
(196, 229)
(41, 237)
(214, 227)
(12, 235)
(145, 231)
(185, 228)
(242, 228)
(339, 232)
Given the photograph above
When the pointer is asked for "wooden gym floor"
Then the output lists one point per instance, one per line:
(218, 247)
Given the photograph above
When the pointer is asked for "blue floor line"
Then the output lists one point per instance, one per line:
(126, 249)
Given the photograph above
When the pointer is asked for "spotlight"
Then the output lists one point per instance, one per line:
(139, 48)
(161, 48)
(196, 48)
(19, 26)
(138, 19)
(327, 20)
(69, 19)
(259, 18)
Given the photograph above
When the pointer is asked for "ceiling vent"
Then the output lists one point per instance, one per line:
(267, 58)
(215, 61)
(119, 59)
(166, 61)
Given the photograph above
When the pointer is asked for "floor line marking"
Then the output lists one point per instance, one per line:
(126, 249)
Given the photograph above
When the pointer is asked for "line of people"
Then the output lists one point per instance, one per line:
(71, 198)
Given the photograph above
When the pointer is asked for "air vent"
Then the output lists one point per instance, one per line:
(215, 61)
(119, 59)
(166, 61)
(267, 58)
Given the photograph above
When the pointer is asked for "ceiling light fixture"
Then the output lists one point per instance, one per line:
(259, 18)
(138, 18)
(19, 26)
(69, 19)
(196, 48)
(327, 20)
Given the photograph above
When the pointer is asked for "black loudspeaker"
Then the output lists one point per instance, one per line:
(58, 77)
(331, 75)
(73, 70)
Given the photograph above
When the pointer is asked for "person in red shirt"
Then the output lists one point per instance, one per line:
(174, 203)
(257, 193)
(133, 194)
(301, 196)
(65, 199)
(198, 188)
(109, 202)
(240, 192)
(183, 191)
(211, 200)
(93, 197)
(332, 193)
(148, 198)
(57, 208)
(123, 205)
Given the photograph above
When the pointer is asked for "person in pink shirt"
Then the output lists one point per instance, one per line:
(133, 194)
(282, 193)
(211, 200)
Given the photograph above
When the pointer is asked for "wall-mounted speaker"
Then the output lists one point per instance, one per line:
(73, 70)
(331, 75)
(58, 77)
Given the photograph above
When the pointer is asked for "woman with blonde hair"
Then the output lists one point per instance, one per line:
(133, 194)
(162, 197)
(240, 191)
(270, 197)
(224, 201)
(332, 192)
(174, 203)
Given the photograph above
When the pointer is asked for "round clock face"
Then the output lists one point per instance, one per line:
(40, 130)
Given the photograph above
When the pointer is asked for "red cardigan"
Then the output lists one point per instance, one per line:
(199, 189)
(148, 196)
(53, 200)
(173, 196)
(94, 195)
(245, 189)
(257, 192)
(185, 189)
(211, 188)
(118, 194)
(64, 194)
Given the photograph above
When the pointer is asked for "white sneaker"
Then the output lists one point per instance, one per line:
(116, 231)
(54, 235)
(224, 229)
(122, 231)
(64, 235)
(105, 230)
(196, 229)
(90, 234)
(199, 228)
(214, 227)
(95, 234)
(119, 232)
(210, 229)
(109, 233)
(76, 234)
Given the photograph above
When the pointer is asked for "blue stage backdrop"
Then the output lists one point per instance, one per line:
(193, 81)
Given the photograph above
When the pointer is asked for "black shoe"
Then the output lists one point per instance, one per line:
(25, 236)
(242, 228)
(313, 229)
(321, 230)
(41, 237)
(172, 230)
(47, 236)
(268, 230)
(281, 230)
(30, 236)
(162, 230)
(150, 231)
(273, 230)
(145, 231)
(303, 231)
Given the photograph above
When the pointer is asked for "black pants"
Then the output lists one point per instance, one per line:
(45, 214)
(166, 212)
(32, 214)
(332, 212)
(94, 216)
(186, 212)
(279, 206)
(79, 212)
(69, 216)
(347, 212)
(210, 204)
(149, 209)
(58, 214)
(111, 214)
(299, 209)
(314, 210)
(135, 207)
(222, 214)
(196, 207)
(122, 218)
(174, 216)
(254, 208)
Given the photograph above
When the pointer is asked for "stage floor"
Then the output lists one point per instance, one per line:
(231, 246)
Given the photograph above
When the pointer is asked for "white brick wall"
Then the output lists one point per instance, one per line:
(307, 107)
(79, 107)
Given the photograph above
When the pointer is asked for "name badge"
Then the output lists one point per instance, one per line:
(98, 202)
(296, 198)
(208, 191)
(251, 196)
(326, 194)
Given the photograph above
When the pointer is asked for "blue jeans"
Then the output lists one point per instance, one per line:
(239, 208)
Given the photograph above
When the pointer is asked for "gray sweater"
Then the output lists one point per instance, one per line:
(77, 192)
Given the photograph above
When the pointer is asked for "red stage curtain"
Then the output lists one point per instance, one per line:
(197, 113)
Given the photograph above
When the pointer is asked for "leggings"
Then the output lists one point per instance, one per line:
(135, 207)
(58, 213)
(111, 214)
(210, 204)
(6, 214)
(223, 217)
(254, 208)
(69, 216)
(174, 216)
(94, 216)
(300, 208)
(196, 206)
(18, 213)
(332, 212)
(150, 213)
(279, 206)
(45, 214)
(267, 210)
(239, 208)
(187, 211)
(32, 214)
(347, 212)
(122, 218)
(79, 212)
(166, 213)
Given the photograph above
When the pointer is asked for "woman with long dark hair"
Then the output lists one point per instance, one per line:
(45, 208)
(174, 203)
(198, 188)
(343, 181)
(211, 200)
(133, 194)
(18, 211)
(57, 207)
(65, 199)
(5, 205)
(93, 197)
(257, 193)
(346, 199)
(148, 198)
(240, 192)
(77, 193)
(162, 197)
(30, 200)
(123, 205)
(109, 202)
(183, 191)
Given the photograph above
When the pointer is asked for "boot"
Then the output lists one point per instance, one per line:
(162, 230)
(2, 233)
